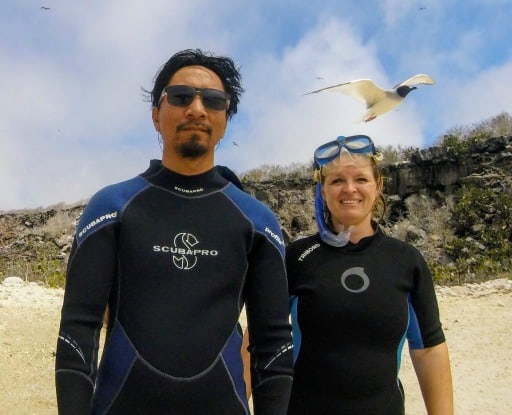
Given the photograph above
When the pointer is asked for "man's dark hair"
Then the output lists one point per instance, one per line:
(223, 66)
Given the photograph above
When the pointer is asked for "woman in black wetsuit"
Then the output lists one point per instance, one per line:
(356, 296)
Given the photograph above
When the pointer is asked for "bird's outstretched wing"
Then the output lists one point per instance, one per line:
(363, 89)
(417, 80)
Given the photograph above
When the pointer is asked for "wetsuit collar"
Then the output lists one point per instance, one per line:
(194, 185)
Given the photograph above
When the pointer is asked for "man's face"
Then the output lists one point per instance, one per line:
(191, 131)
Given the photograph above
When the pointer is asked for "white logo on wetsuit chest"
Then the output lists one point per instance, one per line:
(355, 280)
(308, 251)
(188, 191)
(184, 251)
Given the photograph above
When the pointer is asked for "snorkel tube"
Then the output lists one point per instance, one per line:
(329, 237)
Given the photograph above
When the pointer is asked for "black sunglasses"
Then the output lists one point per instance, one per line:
(183, 95)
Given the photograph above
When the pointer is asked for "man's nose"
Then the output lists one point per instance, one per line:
(196, 106)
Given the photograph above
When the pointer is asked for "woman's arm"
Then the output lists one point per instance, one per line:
(246, 358)
(432, 367)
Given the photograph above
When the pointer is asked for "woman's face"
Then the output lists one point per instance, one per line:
(350, 191)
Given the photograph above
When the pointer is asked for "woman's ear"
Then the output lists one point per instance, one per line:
(155, 114)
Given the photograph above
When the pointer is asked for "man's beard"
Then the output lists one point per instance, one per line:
(193, 148)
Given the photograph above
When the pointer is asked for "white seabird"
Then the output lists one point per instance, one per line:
(378, 101)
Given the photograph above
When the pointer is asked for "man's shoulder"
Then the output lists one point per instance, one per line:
(262, 218)
(121, 191)
(106, 206)
(248, 202)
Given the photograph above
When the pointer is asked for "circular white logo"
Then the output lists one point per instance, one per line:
(359, 281)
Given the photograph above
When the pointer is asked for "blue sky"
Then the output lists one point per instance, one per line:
(73, 118)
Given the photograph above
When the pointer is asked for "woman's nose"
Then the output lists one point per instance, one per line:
(349, 186)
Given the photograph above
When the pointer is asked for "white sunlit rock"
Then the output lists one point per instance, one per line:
(12, 281)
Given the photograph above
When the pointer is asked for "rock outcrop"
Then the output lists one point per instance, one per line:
(435, 172)
(45, 235)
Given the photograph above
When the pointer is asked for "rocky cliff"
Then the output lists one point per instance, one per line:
(435, 172)
(38, 241)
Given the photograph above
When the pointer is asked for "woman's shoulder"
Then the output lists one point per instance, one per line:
(397, 247)
(398, 243)
(299, 246)
(302, 241)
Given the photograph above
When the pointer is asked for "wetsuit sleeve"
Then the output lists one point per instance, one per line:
(89, 276)
(269, 328)
(425, 328)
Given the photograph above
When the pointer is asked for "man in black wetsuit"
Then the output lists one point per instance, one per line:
(175, 253)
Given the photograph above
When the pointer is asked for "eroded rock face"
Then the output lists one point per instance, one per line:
(439, 169)
(433, 172)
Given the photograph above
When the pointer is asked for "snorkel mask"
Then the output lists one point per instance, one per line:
(326, 153)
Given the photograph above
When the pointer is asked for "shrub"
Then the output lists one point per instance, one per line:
(482, 222)
(49, 271)
(460, 140)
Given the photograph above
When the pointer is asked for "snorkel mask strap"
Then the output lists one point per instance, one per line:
(329, 237)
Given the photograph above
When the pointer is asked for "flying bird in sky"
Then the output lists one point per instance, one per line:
(378, 101)
(45, 8)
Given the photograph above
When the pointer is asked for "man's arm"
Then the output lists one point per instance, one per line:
(91, 269)
(269, 328)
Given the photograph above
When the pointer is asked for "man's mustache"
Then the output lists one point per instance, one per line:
(194, 126)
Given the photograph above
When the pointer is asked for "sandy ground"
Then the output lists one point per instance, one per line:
(477, 321)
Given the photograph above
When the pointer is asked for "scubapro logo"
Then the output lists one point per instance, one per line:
(107, 217)
(184, 251)
(359, 281)
(186, 241)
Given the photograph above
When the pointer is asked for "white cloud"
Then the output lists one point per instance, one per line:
(73, 114)
(484, 96)
(72, 117)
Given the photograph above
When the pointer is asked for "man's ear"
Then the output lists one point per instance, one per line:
(155, 114)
